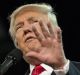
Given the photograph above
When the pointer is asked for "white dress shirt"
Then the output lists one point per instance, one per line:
(48, 69)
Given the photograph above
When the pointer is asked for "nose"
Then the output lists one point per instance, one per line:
(27, 29)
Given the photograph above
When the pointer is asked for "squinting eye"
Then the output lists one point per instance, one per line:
(18, 27)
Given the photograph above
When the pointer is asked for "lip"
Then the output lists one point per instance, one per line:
(30, 38)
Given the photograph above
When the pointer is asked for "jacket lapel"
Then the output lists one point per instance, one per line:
(28, 71)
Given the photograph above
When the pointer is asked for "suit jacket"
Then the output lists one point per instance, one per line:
(23, 69)
(74, 68)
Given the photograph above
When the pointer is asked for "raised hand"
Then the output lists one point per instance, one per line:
(51, 50)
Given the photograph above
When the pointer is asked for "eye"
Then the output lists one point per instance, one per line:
(19, 26)
(33, 21)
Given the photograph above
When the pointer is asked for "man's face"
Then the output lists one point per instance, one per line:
(25, 37)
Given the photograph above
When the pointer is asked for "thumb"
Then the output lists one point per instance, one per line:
(34, 55)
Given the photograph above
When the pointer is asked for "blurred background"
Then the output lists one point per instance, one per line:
(68, 14)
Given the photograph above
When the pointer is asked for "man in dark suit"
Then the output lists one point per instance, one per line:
(35, 31)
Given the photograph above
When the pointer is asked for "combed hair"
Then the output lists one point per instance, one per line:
(44, 8)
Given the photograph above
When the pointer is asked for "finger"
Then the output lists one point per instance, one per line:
(50, 29)
(44, 30)
(32, 60)
(35, 55)
(39, 36)
(59, 35)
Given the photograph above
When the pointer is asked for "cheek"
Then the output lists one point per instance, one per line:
(20, 42)
(19, 37)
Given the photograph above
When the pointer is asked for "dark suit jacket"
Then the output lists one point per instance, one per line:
(74, 68)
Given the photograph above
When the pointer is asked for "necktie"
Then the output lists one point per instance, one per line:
(37, 70)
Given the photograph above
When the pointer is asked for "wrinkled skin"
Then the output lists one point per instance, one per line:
(39, 40)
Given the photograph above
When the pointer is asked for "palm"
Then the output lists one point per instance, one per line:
(51, 50)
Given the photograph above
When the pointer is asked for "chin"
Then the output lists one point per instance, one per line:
(35, 44)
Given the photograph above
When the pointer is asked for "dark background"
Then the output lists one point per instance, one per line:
(68, 14)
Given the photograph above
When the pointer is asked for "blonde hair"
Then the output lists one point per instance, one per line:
(44, 8)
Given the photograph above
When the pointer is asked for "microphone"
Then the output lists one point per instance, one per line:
(12, 58)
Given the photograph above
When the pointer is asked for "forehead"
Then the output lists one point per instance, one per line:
(25, 15)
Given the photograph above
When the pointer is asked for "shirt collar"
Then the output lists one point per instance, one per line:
(46, 67)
